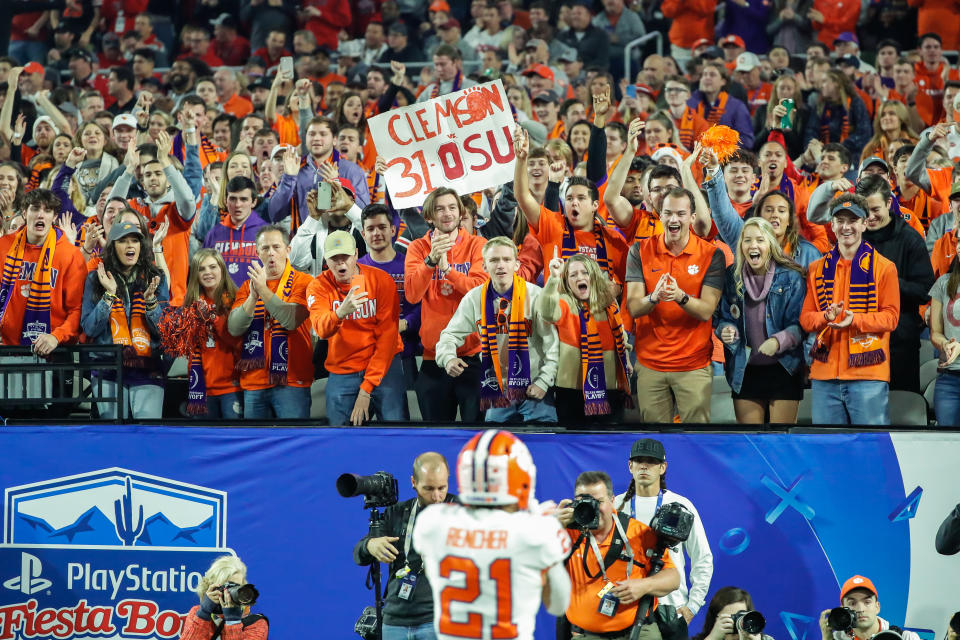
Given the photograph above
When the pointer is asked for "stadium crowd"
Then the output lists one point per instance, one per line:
(213, 174)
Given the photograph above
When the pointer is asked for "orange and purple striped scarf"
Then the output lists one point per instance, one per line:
(36, 316)
(493, 392)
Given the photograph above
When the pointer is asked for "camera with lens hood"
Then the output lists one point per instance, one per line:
(842, 619)
(751, 622)
(379, 489)
(244, 595)
(586, 512)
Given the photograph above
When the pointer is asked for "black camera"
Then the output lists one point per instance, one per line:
(842, 619)
(748, 621)
(955, 622)
(243, 594)
(378, 490)
(672, 522)
(586, 512)
(366, 626)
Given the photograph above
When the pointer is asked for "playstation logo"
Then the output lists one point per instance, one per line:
(29, 580)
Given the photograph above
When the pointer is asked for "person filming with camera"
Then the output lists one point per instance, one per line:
(858, 616)
(224, 609)
(408, 604)
(609, 578)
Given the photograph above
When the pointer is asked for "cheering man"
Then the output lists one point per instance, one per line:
(518, 348)
(354, 307)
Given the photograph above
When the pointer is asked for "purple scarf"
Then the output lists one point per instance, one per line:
(493, 391)
(252, 356)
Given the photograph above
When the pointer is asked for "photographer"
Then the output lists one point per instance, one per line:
(412, 615)
(607, 573)
(858, 616)
(647, 493)
(218, 614)
(722, 621)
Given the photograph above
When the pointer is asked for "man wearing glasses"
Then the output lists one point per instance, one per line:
(690, 124)
(518, 348)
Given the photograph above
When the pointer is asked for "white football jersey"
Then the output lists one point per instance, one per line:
(485, 567)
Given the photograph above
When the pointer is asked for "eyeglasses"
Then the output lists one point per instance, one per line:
(676, 90)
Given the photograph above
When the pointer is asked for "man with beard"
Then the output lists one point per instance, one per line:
(168, 199)
(182, 79)
(378, 233)
(441, 267)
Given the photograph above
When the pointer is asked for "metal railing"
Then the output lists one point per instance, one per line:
(28, 381)
(638, 42)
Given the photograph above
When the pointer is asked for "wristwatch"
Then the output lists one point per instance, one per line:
(430, 263)
(684, 300)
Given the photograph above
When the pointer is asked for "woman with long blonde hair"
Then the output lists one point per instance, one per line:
(592, 385)
(218, 611)
(891, 123)
(213, 391)
(760, 327)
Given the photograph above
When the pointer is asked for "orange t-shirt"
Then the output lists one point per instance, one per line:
(925, 208)
(176, 246)
(645, 224)
(944, 251)
(584, 602)
(368, 339)
(881, 322)
(549, 232)
(930, 84)
(299, 341)
(940, 182)
(238, 106)
(759, 96)
(66, 290)
(219, 358)
(440, 297)
(668, 338)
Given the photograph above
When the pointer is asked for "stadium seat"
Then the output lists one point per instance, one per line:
(414, 406)
(318, 398)
(805, 410)
(721, 408)
(928, 396)
(907, 409)
(928, 373)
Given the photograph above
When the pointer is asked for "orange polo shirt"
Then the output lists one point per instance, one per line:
(668, 338)
(584, 602)
(880, 323)
(549, 232)
(440, 297)
(944, 251)
(299, 341)
(368, 339)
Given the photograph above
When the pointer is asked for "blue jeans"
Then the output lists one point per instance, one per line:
(422, 632)
(26, 50)
(388, 400)
(277, 402)
(857, 402)
(224, 407)
(946, 400)
(529, 410)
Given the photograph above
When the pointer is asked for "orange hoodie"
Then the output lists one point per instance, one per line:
(176, 246)
(941, 17)
(368, 339)
(440, 296)
(692, 20)
(882, 322)
(66, 294)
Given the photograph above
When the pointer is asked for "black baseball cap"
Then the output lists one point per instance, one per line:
(648, 448)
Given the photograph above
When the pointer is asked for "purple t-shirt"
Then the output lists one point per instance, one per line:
(408, 311)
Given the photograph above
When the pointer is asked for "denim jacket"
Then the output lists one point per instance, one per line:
(95, 320)
(784, 303)
(730, 224)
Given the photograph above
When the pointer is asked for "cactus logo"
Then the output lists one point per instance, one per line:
(114, 553)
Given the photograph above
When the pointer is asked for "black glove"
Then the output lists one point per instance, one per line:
(207, 607)
(233, 614)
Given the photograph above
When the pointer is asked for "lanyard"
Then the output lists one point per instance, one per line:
(408, 537)
(627, 550)
(659, 504)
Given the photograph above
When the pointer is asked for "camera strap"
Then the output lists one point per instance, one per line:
(408, 536)
(659, 504)
(628, 551)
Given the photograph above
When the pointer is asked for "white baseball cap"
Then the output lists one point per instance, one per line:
(125, 119)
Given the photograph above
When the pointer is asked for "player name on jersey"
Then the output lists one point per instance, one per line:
(477, 538)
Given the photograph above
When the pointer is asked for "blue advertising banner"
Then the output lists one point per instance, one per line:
(108, 529)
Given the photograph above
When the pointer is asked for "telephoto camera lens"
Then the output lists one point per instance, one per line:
(842, 619)
(242, 594)
(751, 622)
(586, 512)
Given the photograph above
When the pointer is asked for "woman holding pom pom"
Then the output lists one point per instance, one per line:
(213, 392)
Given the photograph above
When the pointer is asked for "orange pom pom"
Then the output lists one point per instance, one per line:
(722, 140)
